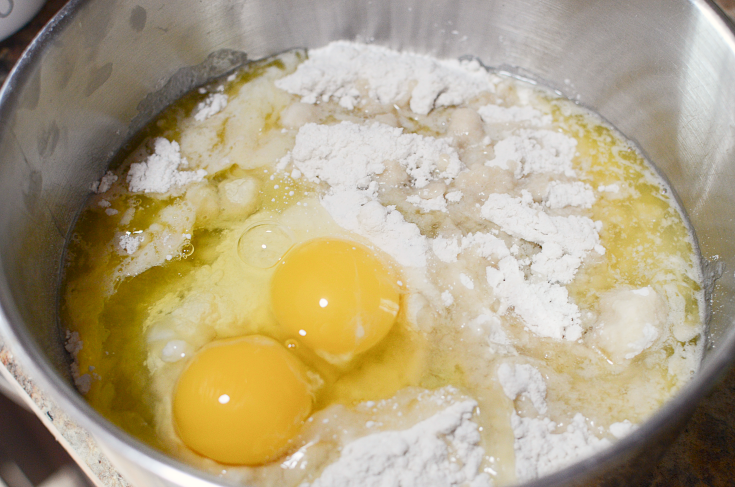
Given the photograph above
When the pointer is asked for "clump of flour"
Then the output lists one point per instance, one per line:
(130, 243)
(339, 69)
(210, 106)
(487, 245)
(564, 240)
(536, 151)
(104, 184)
(443, 451)
(160, 173)
(543, 446)
(347, 156)
(513, 114)
(541, 449)
(74, 345)
(577, 193)
(544, 307)
(523, 379)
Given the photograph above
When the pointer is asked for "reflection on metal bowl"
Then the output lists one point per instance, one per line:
(661, 71)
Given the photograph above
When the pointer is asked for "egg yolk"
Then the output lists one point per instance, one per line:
(240, 400)
(337, 296)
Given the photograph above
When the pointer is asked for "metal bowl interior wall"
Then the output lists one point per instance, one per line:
(661, 71)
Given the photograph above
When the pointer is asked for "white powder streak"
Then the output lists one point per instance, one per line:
(497, 114)
(347, 156)
(428, 205)
(536, 151)
(523, 379)
(159, 173)
(466, 281)
(649, 335)
(540, 450)
(577, 194)
(441, 451)
(565, 240)
(486, 245)
(384, 226)
(544, 307)
(210, 106)
(622, 429)
(104, 184)
(446, 249)
(130, 243)
(611, 188)
(540, 444)
(340, 70)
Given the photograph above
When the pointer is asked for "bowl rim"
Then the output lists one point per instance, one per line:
(38, 367)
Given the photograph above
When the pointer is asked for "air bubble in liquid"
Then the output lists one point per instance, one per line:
(187, 249)
(263, 244)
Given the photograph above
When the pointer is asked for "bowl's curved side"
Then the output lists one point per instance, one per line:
(660, 71)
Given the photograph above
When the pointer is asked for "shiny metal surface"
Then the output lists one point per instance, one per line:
(661, 71)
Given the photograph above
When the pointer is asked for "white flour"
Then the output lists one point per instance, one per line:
(339, 70)
(622, 429)
(560, 195)
(160, 173)
(466, 281)
(441, 451)
(487, 246)
(498, 114)
(210, 106)
(544, 307)
(104, 184)
(438, 203)
(540, 301)
(541, 449)
(488, 325)
(130, 243)
(610, 188)
(446, 249)
(541, 446)
(347, 156)
(564, 240)
(630, 322)
(523, 379)
(383, 226)
(535, 152)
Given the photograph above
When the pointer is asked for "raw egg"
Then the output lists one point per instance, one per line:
(338, 297)
(240, 400)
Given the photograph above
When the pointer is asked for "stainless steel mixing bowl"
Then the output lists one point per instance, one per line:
(662, 71)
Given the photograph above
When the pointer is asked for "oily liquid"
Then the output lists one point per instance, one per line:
(646, 242)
